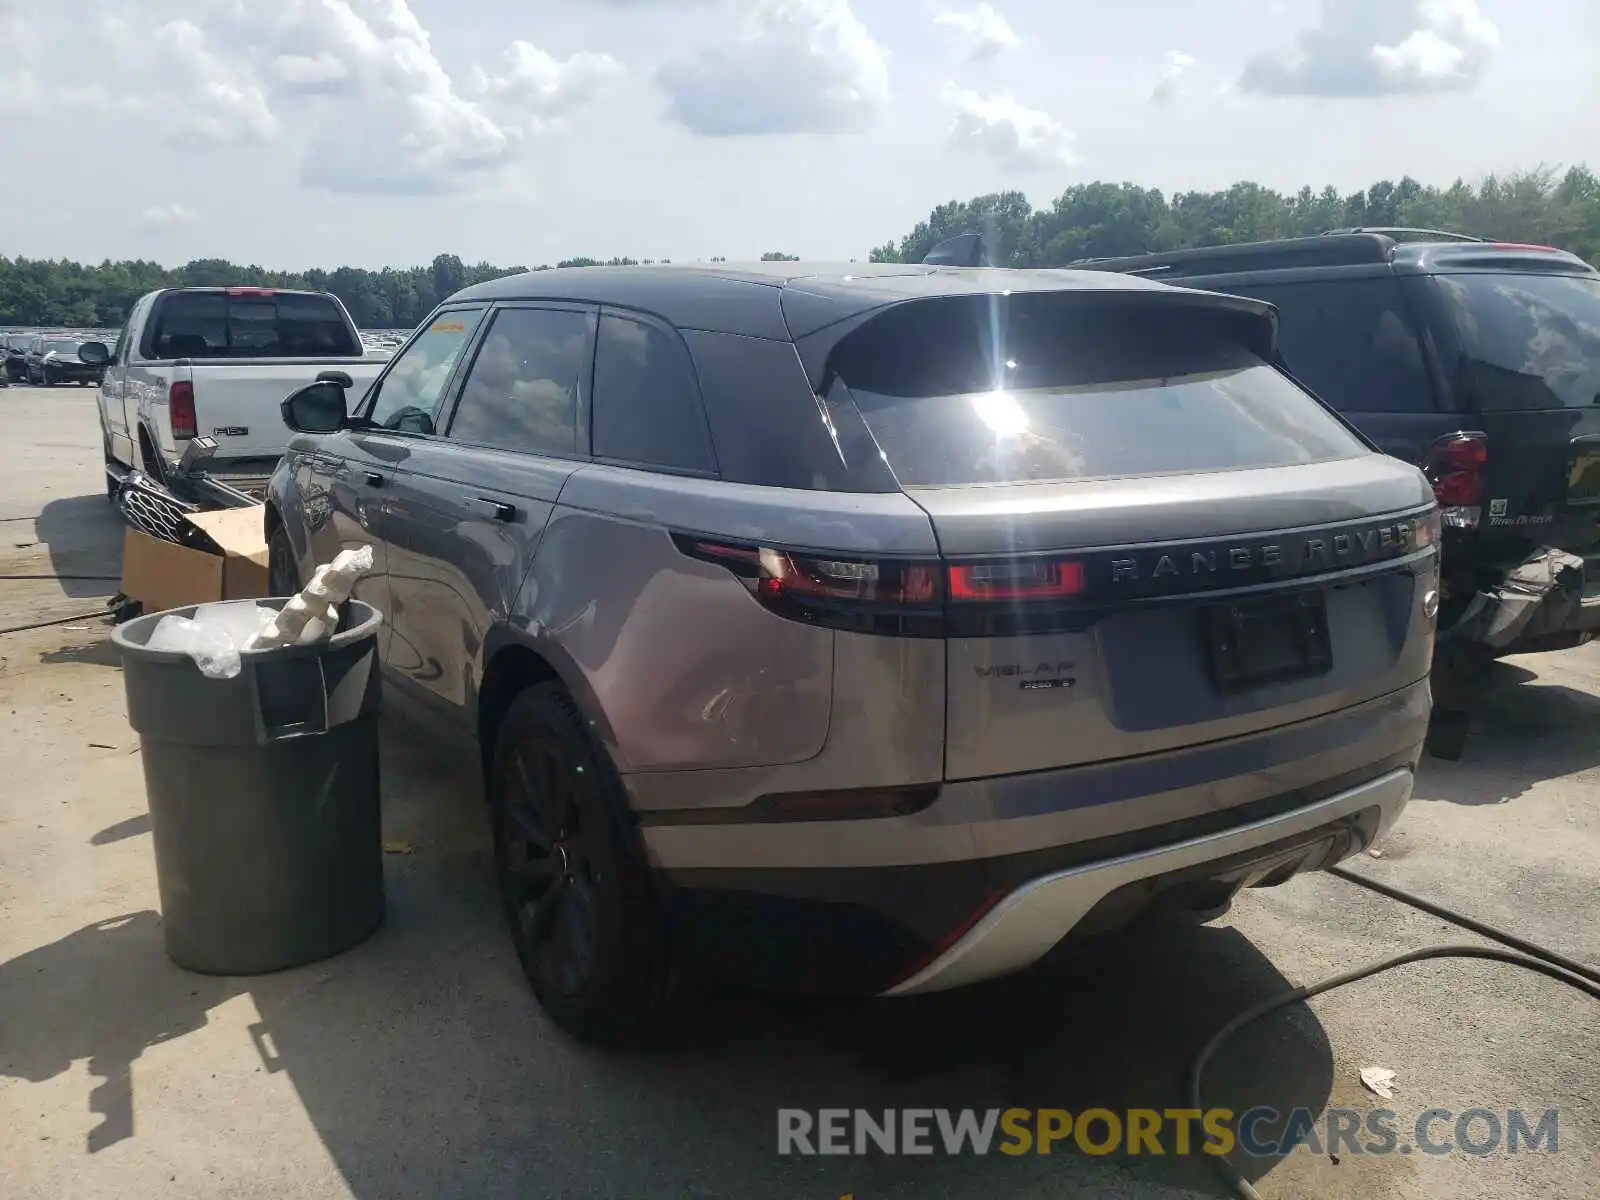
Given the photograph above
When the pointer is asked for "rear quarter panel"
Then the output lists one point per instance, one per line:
(684, 671)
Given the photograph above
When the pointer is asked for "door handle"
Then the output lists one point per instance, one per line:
(374, 478)
(502, 510)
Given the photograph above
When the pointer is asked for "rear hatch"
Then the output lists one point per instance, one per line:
(1524, 345)
(1152, 537)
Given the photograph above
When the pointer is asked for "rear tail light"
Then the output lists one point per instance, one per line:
(894, 596)
(1455, 466)
(1017, 579)
(903, 597)
(180, 407)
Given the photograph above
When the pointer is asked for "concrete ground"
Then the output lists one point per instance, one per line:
(418, 1065)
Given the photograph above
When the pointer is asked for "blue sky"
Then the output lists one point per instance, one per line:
(373, 132)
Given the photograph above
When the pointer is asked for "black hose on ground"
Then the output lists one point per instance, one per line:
(1530, 957)
(97, 614)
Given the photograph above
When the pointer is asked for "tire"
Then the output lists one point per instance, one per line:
(577, 893)
(283, 572)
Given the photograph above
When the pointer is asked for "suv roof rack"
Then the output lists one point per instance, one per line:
(1397, 232)
(1321, 250)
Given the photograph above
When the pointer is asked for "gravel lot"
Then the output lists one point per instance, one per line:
(418, 1065)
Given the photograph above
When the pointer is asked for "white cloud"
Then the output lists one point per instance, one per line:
(1382, 47)
(541, 88)
(1174, 67)
(20, 94)
(354, 85)
(1002, 128)
(794, 66)
(162, 217)
(981, 32)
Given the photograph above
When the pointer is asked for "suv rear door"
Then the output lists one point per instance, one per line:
(1154, 538)
(1521, 347)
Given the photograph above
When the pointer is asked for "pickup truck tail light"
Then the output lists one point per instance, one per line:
(180, 407)
(1455, 466)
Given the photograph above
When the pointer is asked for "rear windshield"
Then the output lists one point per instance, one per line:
(216, 325)
(977, 395)
(1527, 341)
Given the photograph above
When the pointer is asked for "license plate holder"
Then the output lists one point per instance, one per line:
(1254, 643)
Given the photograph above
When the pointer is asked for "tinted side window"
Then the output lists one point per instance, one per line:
(408, 396)
(522, 390)
(1529, 342)
(646, 404)
(1352, 341)
(770, 428)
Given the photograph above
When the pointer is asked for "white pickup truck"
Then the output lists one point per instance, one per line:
(218, 362)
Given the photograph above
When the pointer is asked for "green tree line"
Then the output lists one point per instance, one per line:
(1087, 220)
(1094, 220)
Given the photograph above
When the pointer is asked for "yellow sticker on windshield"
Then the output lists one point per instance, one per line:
(448, 327)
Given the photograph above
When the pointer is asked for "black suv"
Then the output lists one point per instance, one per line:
(1478, 361)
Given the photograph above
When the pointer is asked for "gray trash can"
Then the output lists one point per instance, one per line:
(263, 793)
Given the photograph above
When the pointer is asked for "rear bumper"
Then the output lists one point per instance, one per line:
(997, 871)
(1023, 926)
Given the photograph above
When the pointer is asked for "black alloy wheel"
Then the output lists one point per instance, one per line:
(283, 573)
(578, 895)
(549, 879)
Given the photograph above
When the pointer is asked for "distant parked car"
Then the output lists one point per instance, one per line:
(52, 360)
(15, 346)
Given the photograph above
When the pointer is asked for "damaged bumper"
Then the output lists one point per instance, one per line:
(1550, 601)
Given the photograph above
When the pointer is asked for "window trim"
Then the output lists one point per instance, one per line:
(651, 321)
(457, 382)
(370, 400)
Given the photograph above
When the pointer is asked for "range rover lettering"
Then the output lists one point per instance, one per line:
(872, 629)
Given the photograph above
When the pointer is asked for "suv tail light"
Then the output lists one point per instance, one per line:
(895, 596)
(902, 597)
(180, 409)
(1455, 466)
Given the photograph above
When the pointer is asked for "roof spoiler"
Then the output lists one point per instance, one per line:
(963, 250)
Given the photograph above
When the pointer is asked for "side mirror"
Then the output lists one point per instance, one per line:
(315, 408)
(96, 354)
(339, 377)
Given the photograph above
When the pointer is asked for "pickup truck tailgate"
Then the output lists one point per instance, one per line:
(236, 401)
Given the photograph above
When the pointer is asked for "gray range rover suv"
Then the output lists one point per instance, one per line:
(872, 629)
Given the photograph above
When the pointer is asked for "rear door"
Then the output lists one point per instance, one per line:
(1153, 537)
(469, 505)
(1523, 352)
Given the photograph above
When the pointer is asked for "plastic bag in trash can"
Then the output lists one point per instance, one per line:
(213, 651)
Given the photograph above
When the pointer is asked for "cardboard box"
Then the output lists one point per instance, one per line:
(228, 561)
